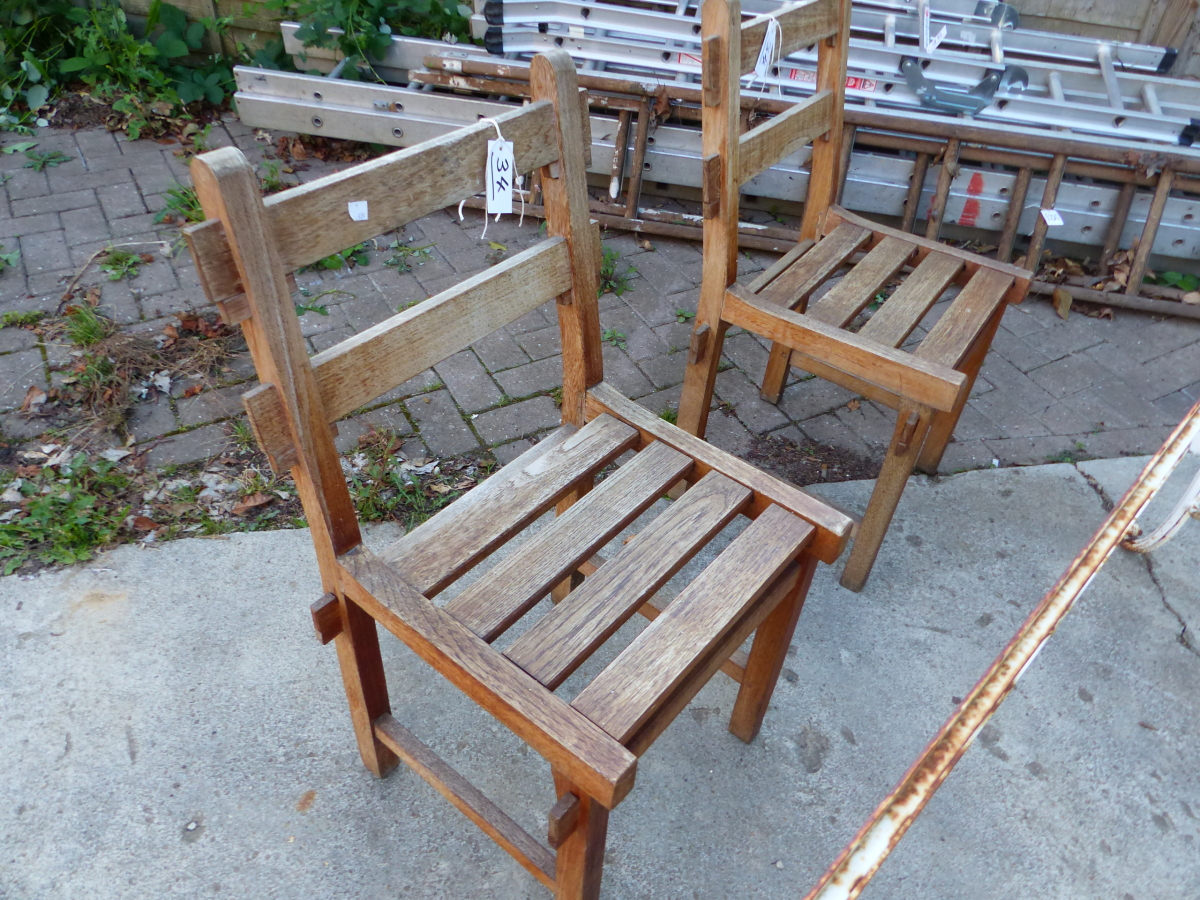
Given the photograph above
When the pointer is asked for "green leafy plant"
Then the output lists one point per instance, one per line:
(362, 29)
(1185, 281)
(614, 337)
(181, 204)
(64, 515)
(683, 315)
(270, 180)
(610, 281)
(669, 415)
(404, 257)
(40, 159)
(21, 319)
(119, 263)
(348, 258)
(85, 326)
(6, 260)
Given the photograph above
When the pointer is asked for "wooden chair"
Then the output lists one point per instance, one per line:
(757, 585)
(929, 386)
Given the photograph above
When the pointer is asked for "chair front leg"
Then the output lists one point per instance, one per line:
(366, 686)
(912, 425)
(580, 864)
(767, 653)
(944, 423)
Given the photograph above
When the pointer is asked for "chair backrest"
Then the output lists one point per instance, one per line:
(248, 247)
(730, 50)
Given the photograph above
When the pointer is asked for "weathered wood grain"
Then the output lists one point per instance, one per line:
(850, 296)
(792, 288)
(954, 333)
(567, 635)
(494, 602)
(570, 742)
(625, 695)
(833, 526)
(783, 135)
(456, 538)
(902, 312)
(800, 25)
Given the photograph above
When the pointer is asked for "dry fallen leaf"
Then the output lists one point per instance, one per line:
(853, 405)
(144, 523)
(192, 391)
(254, 501)
(440, 488)
(1191, 297)
(34, 398)
(643, 243)
(1062, 302)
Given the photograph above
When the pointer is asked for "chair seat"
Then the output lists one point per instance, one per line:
(648, 683)
(949, 340)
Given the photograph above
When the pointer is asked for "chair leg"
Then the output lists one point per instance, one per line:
(911, 427)
(767, 653)
(778, 364)
(580, 863)
(366, 685)
(944, 423)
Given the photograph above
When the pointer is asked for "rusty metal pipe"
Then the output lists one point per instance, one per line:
(861, 859)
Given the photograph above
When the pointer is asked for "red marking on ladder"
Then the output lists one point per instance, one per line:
(971, 209)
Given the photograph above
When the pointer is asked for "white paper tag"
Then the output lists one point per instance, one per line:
(500, 176)
(358, 210)
(925, 28)
(766, 53)
(936, 40)
(1052, 217)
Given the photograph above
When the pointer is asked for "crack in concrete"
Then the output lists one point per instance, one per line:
(1108, 505)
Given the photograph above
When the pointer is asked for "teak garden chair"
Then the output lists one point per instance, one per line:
(928, 386)
(244, 252)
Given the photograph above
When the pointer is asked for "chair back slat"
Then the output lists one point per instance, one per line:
(800, 25)
(312, 221)
(780, 137)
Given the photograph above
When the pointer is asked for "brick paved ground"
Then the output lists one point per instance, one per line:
(1086, 386)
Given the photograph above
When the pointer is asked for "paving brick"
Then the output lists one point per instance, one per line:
(871, 422)
(973, 425)
(13, 339)
(1175, 406)
(364, 310)
(170, 303)
(621, 373)
(54, 203)
(155, 278)
(752, 411)
(747, 354)
(191, 446)
(1173, 371)
(663, 400)
(154, 176)
(62, 179)
(531, 378)
(1153, 339)
(531, 321)
(19, 371)
(662, 274)
(1014, 420)
(1036, 451)
(640, 340)
(517, 420)
(42, 284)
(1114, 405)
(665, 370)
(45, 252)
(1017, 351)
(961, 456)
(19, 226)
(500, 351)
(541, 343)
(210, 406)
(1064, 338)
(675, 335)
(468, 381)
(151, 420)
(23, 184)
(96, 142)
(442, 427)
(726, 432)
(659, 309)
(811, 397)
(1015, 384)
(1061, 419)
(119, 201)
(832, 432)
(1069, 375)
(129, 227)
(398, 289)
(1126, 441)
(84, 225)
(386, 418)
(506, 453)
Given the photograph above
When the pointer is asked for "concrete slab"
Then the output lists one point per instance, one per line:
(170, 727)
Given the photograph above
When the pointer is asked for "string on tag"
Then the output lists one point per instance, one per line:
(499, 180)
(768, 53)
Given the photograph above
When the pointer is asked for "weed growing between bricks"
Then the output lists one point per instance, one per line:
(807, 462)
(60, 505)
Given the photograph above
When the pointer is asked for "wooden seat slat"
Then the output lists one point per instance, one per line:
(792, 287)
(451, 542)
(950, 339)
(494, 602)
(850, 296)
(623, 697)
(554, 647)
(558, 732)
(900, 314)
